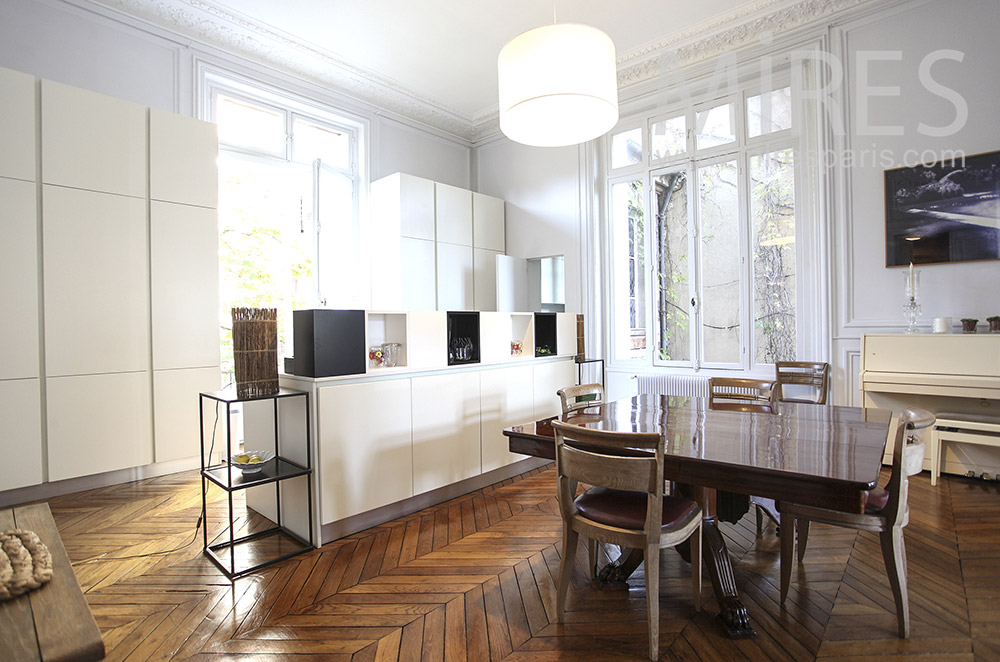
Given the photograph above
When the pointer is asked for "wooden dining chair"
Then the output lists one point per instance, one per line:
(886, 511)
(739, 394)
(580, 397)
(811, 377)
(625, 506)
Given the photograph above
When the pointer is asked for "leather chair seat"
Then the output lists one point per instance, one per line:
(875, 500)
(627, 510)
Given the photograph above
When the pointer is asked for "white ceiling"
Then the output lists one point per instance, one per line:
(446, 50)
(435, 60)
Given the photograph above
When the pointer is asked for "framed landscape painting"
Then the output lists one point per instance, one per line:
(943, 212)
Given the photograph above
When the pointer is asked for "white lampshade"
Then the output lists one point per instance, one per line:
(558, 85)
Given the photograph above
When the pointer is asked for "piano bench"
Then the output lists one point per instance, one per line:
(963, 428)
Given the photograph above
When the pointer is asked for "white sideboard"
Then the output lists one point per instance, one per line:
(393, 440)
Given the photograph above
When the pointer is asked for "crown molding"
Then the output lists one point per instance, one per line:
(228, 30)
(208, 23)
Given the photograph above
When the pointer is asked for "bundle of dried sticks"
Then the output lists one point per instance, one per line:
(255, 351)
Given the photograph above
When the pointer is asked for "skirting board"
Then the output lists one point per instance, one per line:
(68, 486)
(360, 522)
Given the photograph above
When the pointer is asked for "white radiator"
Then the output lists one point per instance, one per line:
(674, 385)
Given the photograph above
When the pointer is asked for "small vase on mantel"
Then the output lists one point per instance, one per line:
(994, 323)
(969, 325)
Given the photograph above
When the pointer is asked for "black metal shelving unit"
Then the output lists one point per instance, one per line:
(231, 479)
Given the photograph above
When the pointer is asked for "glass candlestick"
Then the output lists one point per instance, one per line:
(911, 308)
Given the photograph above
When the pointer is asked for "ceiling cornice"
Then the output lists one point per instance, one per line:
(205, 22)
(231, 31)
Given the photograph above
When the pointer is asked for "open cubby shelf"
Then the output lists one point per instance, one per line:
(463, 337)
(545, 334)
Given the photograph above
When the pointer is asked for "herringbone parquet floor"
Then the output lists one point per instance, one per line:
(473, 579)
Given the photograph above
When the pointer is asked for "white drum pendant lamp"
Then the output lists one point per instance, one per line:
(558, 85)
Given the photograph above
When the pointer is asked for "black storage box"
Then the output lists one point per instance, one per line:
(329, 343)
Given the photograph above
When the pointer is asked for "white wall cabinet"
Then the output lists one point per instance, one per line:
(184, 266)
(549, 378)
(129, 234)
(98, 423)
(507, 398)
(488, 227)
(446, 430)
(182, 159)
(365, 450)
(92, 141)
(17, 131)
(19, 273)
(455, 277)
(484, 263)
(417, 282)
(426, 232)
(20, 433)
(96, 282)
(453, 214)
(175, 420)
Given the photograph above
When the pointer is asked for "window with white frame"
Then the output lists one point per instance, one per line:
(290, 174)
(702, 233)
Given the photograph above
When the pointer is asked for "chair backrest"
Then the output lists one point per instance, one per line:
(580, 397)
(813, 376)
(907, 459)
(610, 459)
(740, 394)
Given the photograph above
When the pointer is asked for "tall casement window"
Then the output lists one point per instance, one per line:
(289, 204)
(702, 234)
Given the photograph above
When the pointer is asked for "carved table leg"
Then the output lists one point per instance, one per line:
(616, 573)
(733, 615)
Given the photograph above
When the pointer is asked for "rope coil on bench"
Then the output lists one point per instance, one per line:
(25, 563)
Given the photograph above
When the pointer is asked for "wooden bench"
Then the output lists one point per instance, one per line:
(53, 622)
(962, 428)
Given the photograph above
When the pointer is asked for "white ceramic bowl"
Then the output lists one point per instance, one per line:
(252, 467)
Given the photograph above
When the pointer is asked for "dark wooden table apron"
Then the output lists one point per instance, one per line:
(820, 455)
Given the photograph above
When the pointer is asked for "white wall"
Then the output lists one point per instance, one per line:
(541, 187)
(403, 148)
(87, 46)
(869, 295)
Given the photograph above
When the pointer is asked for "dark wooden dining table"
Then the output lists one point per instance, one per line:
(819, 455)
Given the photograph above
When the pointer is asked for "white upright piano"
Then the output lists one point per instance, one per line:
(940, 373)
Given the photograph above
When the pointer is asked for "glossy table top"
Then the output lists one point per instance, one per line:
(821, 455)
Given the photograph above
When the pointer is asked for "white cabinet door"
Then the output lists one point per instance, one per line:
(453, 214)
(183, 156)
(416, 207)
(446, 431)
(488, 227)
(566, 334)
(19, 275)
(175, 413)
(549, 378)
(20, 433)
(91, 141)
(365, 451)
(98, 423)
(184, 275)
(506, 399)
(455, 279)
(419, 290)
(96, 282)
(17, 131)
(485, 266)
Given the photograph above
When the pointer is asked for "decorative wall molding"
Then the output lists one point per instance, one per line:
(220, 27)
